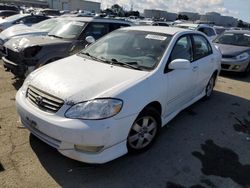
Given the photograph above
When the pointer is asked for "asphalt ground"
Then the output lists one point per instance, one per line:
(206, 145)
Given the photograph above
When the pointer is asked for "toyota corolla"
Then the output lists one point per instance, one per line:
(114, 96)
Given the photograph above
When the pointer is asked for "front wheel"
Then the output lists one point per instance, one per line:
(144, 130)
(247, 71)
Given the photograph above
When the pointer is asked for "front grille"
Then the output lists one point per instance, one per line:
(44, 101)
(225, 66)
(12, 55)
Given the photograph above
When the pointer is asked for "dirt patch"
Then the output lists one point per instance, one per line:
(208, 182)
(1, 167)
(242, 126)
(175, 185)
(222, 162)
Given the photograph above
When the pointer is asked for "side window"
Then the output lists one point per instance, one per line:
(29, 20)
(201, 47)
(96, 30)
(41, 18)
(114, 26)
(182, 49)
(207, 31)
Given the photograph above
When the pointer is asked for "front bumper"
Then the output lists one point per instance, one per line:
(16, 69)
(63, 133)
(232, 65)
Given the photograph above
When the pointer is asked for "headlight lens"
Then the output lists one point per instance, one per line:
(95, 109)
(242, 56)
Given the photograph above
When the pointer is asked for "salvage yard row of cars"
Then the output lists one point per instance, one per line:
(95, 92)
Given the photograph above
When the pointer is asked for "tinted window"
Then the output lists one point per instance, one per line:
(182, 49)
(32, 19)
(201, 46)
(208, 31)
(114, 26)
(96, 30)
(163, 24)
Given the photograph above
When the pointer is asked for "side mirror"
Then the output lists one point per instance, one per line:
(179, 64)
(90, 39)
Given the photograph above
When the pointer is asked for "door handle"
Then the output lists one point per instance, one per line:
(195, 68)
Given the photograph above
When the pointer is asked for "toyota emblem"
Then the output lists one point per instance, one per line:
(39, 100)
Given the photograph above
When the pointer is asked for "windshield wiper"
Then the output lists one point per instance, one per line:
(55, 36)
(93, 57)
(126, 64)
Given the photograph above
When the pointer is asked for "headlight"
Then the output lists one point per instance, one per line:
(26, 83)
(95, 109)
(242, 56)
(31, 51)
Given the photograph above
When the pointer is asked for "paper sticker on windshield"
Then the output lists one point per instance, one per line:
(156, 37)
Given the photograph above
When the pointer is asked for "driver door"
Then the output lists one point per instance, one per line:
(181, 83)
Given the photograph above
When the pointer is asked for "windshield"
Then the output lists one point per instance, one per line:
(67, 29)
(46, 24)
(15, 17)
(237, 39)
(140, 49)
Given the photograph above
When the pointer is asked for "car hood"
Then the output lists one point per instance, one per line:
(19, 30)
(75, 79)
(231, 50)
(17, 44)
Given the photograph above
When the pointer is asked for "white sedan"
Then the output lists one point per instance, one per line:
(115, 95)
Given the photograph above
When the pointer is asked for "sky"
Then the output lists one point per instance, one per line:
(236, 8)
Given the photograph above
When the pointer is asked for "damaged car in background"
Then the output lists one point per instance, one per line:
(71, 35)
(41, 28)
(116, 94)
(235, 49)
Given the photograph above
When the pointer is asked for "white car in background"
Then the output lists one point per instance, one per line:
(26, 19)
(206, 29)
(20, 30)
(115, 95)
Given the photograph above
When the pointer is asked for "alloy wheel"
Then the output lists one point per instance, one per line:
(142, 132)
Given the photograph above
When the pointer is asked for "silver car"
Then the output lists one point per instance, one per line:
(235, 49)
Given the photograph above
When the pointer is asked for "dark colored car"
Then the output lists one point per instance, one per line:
(235, 49)
(7, 13)
(23, 55)
(8, 7)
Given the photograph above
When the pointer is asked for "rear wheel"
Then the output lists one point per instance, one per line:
(144, 130)
(210, 87)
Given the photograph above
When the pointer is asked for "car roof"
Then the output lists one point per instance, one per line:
(238, 31)
(188, 24)
(93, 19)
(157, 29)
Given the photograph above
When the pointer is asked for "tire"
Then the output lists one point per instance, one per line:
(144, 131)
(210, 87)
(247, 71)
